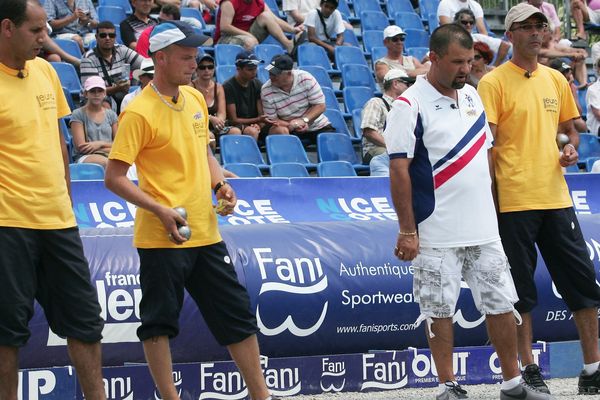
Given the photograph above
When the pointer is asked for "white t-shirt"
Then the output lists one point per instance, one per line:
(448, 145)
(592, 98)
(303, 7)
(334, 24)
(447, 8)
(493, 42)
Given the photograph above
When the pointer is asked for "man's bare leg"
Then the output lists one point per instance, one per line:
(158, 356)
(9, 372)
(247, 358)
(87, 360)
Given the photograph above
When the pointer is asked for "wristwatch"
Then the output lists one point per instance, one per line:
(305, 119)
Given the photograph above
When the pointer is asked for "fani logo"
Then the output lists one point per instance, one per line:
(333, 377)
(385, 374)
(218, 383)
(177, 379)
(118, 388)
(303, 276)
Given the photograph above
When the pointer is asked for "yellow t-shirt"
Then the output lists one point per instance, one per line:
(33, 190)
(527, 112)
(169, 149)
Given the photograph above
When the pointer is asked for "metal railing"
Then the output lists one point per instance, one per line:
(506, 4)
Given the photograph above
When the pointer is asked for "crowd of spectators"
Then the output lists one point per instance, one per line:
(288, 100)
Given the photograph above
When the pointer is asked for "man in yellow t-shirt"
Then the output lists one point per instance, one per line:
(41, 254)
(164, 130)
(525, 102)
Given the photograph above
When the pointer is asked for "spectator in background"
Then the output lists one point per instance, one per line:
(213, 93)
(582, 13)
(499, 47)
(551, 49)
(550, 12)
(481, 63)
(293, 100)
(144, 75)
(93, 126)
(249, 22)
(110, 61)
(72, 19)
(296, 10)
(168, 12)
(325, 26)
(242, 95)
(447, 9)
(133, 26)
(592, 99)
(565, 69)
(393, 40)
(373, 119)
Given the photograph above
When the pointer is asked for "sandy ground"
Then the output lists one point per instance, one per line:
(560, 388)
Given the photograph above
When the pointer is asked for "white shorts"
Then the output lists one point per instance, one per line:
(594, 16)
(437, 280)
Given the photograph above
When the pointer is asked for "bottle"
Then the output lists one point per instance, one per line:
(125, 72)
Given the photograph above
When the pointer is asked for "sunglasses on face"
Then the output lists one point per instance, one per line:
(104, 35)
(541, 26)
(397, 39)
(467, 22)
(205, 67)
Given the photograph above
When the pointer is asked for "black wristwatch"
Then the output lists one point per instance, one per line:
(220, 185)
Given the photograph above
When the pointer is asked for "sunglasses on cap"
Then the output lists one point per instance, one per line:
(205, 67)
(104, 35)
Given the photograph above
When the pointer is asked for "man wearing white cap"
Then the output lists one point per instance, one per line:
(438, 141)
(144, 75)
(373, 117)
(41, 254)
(525, 102)
(165, 131)
(393, 40)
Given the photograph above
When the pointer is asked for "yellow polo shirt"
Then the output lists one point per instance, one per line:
(33, 190)
(169, 149)
(527, 112)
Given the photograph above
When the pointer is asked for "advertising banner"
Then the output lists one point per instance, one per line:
(316, 288)
(281, 201)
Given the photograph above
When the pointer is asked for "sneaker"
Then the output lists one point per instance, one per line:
(589, 384)
(532, 375)
(524, 391)
(452, 392)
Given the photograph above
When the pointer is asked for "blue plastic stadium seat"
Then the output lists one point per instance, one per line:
(349, 55)
(335, 168)
(331, 101)
(266, 52)
(68, 78)
(427, 7)
(338, 147)
(589, 147)
(350, 38)
(345, 11)
(320, 75)
(225, 53)
(372, 39)
(408, 20)
(69, 98)
(272, 4)
(263, 74)
(394, 6)
(416, 38)
(86, 172)
(124, 4)
(64, 130)
(225, 72)
(244, 170)
(190, 12)
(113, 14)
(377, 52)
(417, 52)
(355, 97)
(311, 54)
(373, 20)
(287, 149)
(356, 121)
(366, 5)
(589, 163)
(288, 170)
(432, 22)
(338, 122)
(70, 47)
(241, 149)
(358, 75)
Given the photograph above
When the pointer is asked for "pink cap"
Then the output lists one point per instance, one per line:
(94, 82)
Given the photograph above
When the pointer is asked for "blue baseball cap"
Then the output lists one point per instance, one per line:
(245, 57)
(174, 32)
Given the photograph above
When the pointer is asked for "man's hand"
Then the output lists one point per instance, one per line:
(298, 125)
(568, 156)
(226, 200)
(407, 247)
(170, 218)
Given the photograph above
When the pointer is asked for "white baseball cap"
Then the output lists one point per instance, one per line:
(393, 31)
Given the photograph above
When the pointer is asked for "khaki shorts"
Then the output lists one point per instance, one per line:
(256, 30)
(437, 280)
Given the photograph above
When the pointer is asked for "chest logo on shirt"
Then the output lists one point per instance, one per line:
(46, 101)
(550, 105)
(199, 124)
(437, 107)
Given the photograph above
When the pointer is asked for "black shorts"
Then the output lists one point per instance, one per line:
(209, 277)
(561, 244)
(49, 266)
